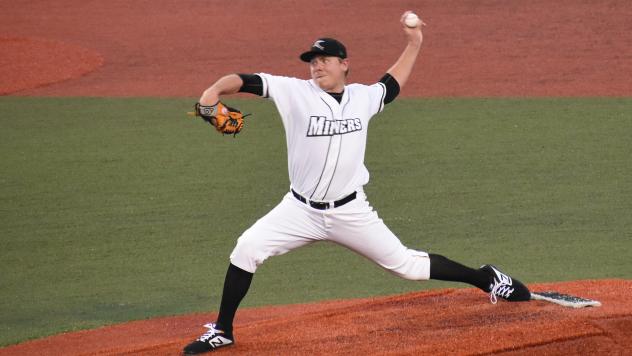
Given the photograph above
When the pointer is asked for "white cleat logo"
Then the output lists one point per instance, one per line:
(219, 341)
(503, 278)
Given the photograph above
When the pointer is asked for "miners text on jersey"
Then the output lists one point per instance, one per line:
(320, 126)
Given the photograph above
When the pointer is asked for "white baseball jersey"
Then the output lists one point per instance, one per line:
(326, 140)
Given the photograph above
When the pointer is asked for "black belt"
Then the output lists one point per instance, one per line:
(324, 205)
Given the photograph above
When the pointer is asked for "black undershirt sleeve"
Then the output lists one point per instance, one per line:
(392, 88)
(253, 84)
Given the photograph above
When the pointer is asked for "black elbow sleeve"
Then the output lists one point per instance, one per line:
(392, 88)
(253, 84)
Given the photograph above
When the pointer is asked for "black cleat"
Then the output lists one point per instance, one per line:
(501, 285)
(211, 340)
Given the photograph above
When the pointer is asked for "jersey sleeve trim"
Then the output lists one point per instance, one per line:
(383, 96)
(266, 86)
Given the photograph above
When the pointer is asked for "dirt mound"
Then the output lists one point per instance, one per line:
(445, 321)
(28, 63)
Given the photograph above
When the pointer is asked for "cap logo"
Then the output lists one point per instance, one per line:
(318, 45)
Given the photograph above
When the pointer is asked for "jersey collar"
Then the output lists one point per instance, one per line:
(333, 103)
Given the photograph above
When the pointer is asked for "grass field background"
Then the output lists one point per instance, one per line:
(121, 209)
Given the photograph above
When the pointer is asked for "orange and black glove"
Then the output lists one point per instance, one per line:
(225, 119)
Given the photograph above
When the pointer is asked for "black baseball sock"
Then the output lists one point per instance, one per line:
(236, 286)
(444, 269)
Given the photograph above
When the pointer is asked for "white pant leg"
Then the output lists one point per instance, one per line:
(290, 225)
(357, 227)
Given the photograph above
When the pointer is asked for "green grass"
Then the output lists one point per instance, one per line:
(120, 209)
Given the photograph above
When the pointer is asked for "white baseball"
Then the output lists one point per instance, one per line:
(411, 20)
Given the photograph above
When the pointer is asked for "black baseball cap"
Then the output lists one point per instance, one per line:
(325, 47)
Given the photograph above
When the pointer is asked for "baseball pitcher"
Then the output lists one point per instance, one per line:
(326, 121)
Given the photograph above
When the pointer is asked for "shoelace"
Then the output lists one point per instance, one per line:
(501, 290)
(212, 332)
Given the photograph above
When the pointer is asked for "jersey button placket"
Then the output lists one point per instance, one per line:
(333, 155)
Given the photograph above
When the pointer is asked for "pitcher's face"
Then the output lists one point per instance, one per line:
(329, 72)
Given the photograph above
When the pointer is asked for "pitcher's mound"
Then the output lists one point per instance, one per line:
(27, 63)
(450, 321)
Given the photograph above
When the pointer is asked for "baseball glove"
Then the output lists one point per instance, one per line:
(225, 119)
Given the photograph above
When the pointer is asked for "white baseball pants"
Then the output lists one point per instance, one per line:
(355, 225)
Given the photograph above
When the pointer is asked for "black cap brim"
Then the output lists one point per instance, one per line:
(309, 55)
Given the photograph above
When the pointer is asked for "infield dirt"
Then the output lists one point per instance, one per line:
(471, 48)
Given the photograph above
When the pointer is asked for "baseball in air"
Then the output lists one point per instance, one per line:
(411, 20)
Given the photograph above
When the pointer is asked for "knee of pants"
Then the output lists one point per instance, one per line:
(416, 267)
(248, 254)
